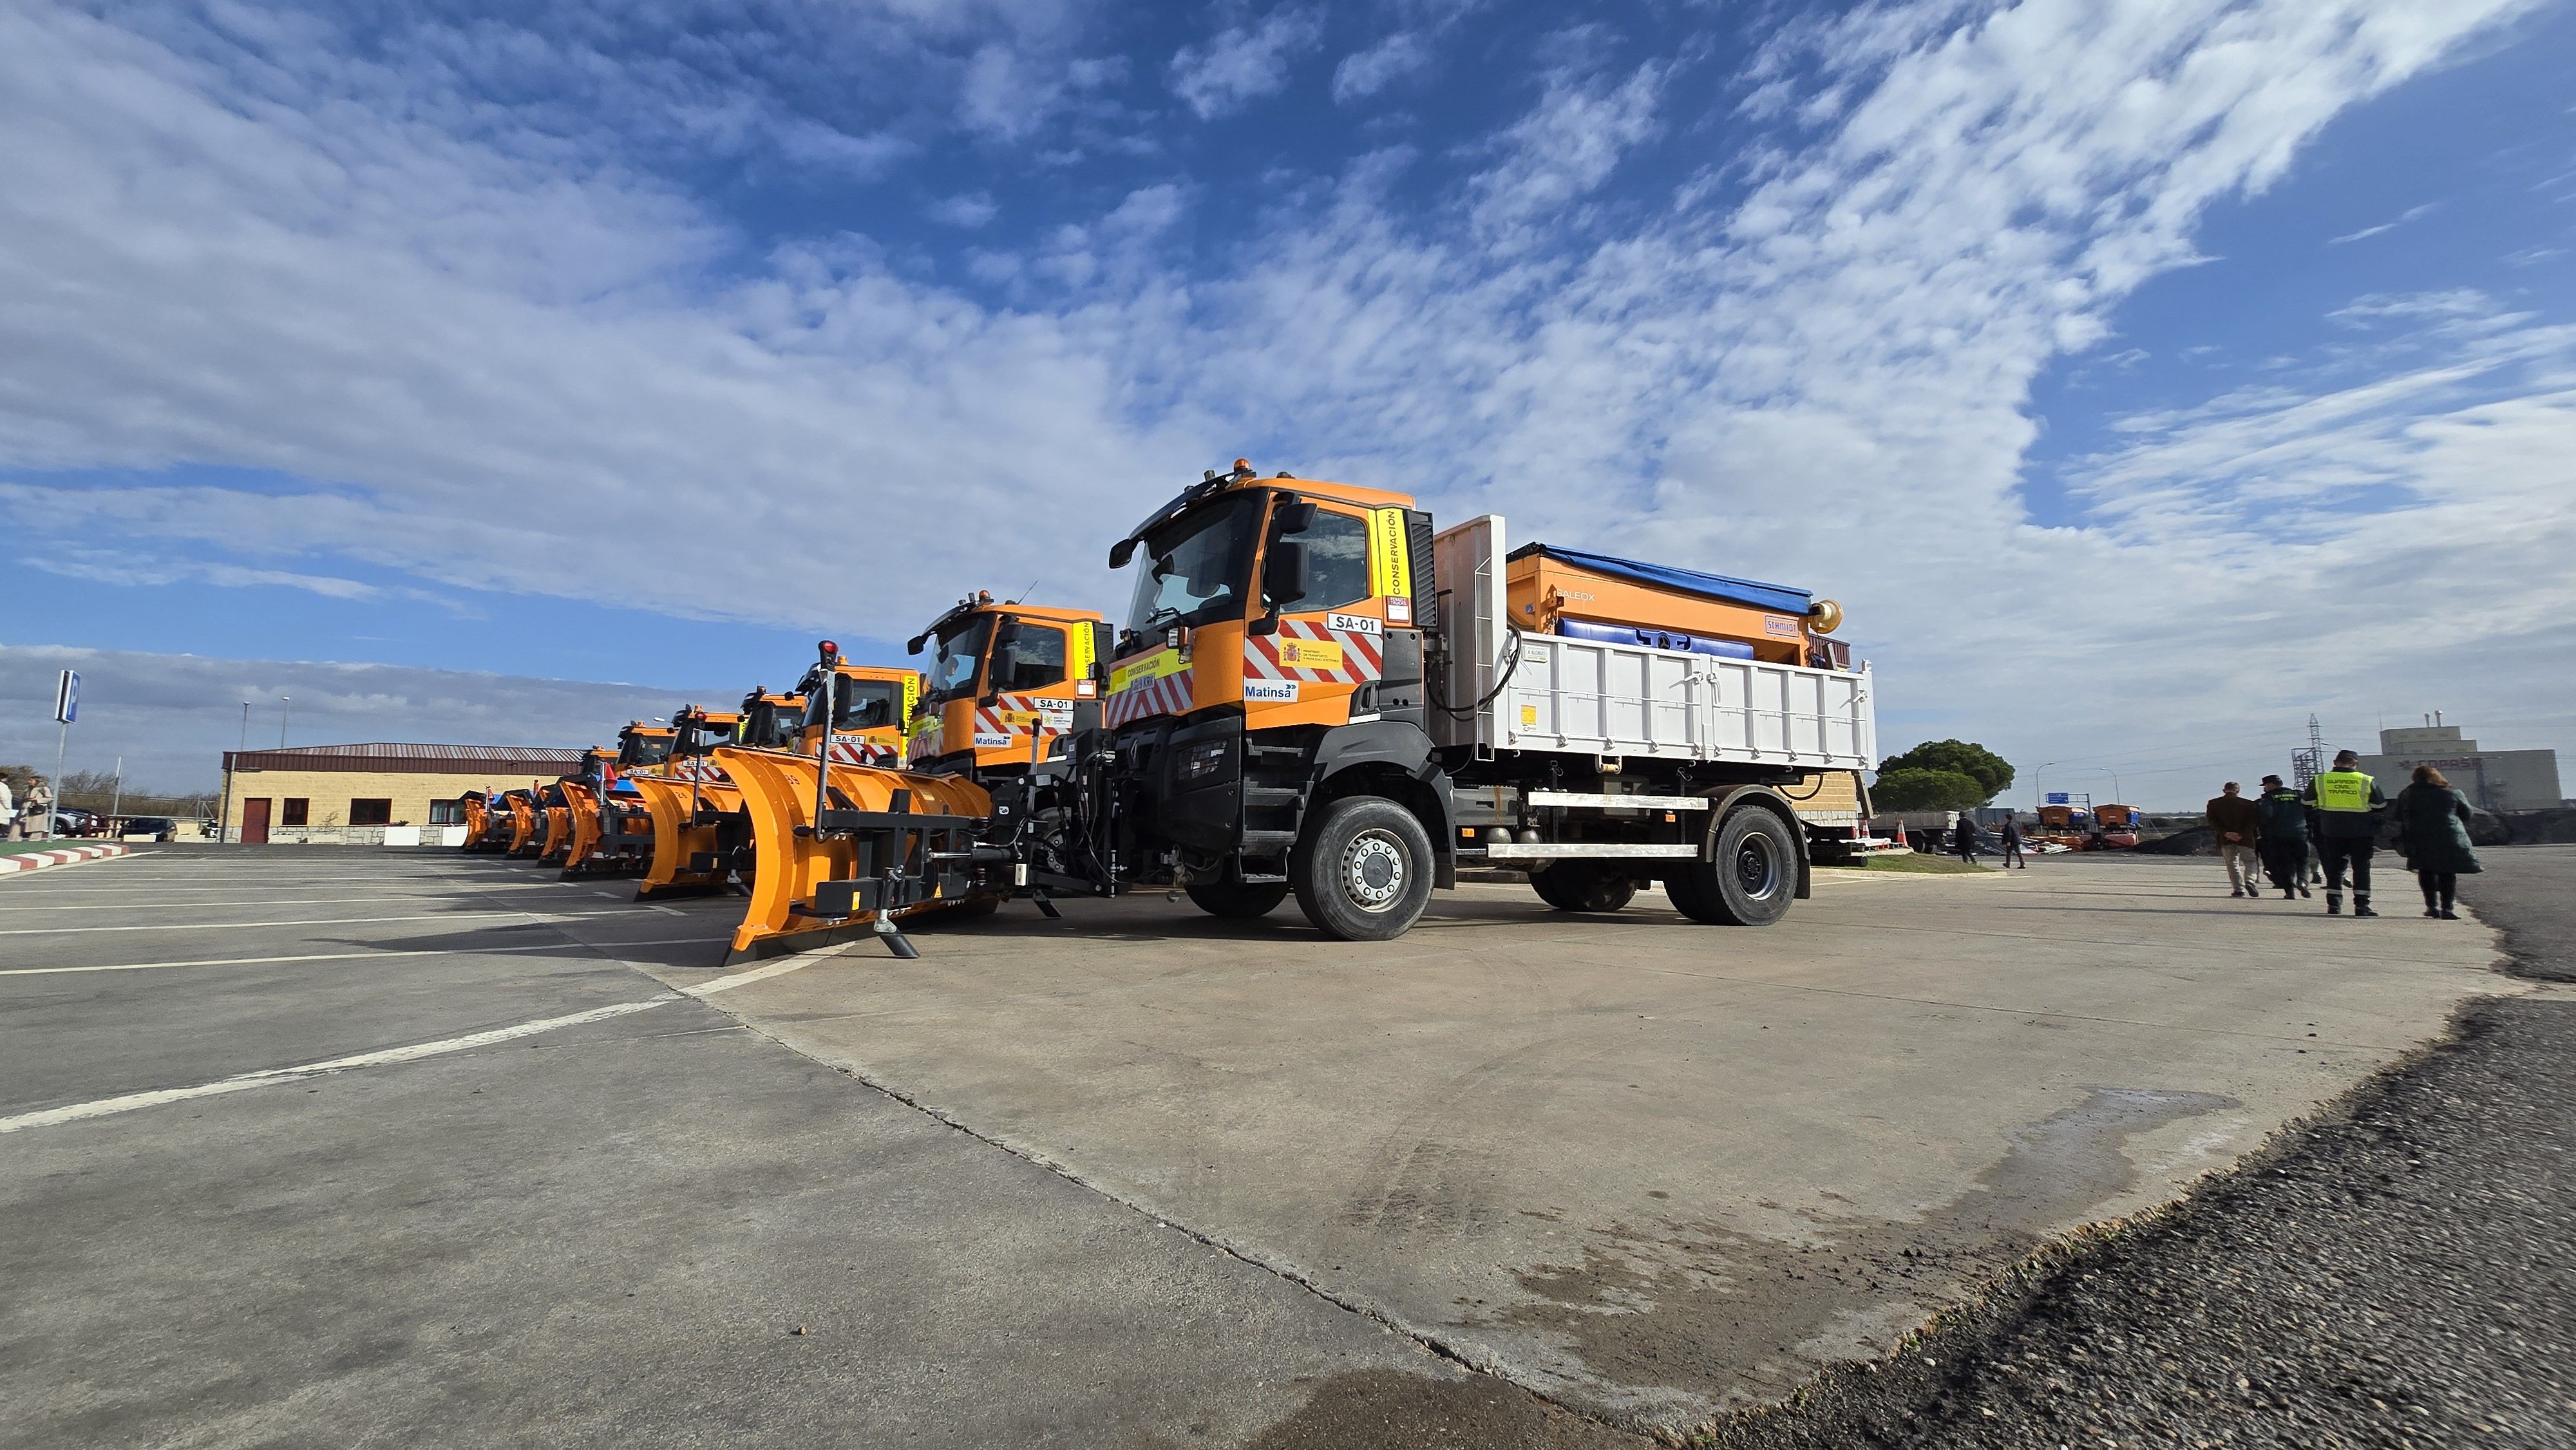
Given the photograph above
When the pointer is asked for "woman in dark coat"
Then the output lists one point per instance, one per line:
(2433, 832)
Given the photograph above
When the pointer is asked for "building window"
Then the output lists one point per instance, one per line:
(447, 813)
(297, 811)
(371, 813)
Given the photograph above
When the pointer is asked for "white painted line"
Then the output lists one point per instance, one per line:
(670, 941)
(532, 916)
(128, 903)
(756, 974)
(104, 1107)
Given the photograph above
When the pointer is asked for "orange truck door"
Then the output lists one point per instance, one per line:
(1331, 642)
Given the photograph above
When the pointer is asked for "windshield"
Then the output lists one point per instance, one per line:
(961, 654)
(1196, 566)
(639, 748)
(771, 725)
(867, 705)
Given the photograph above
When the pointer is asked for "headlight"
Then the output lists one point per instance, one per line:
(1205, 758)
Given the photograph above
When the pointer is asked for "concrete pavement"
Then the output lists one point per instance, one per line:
(1649, 1169)
(1134, 1178)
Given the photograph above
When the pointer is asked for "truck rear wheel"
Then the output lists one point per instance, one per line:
(1238, 900)
(1582, 886)
(1752, 879)
(1362, 869)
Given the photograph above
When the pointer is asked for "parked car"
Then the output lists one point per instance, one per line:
(159, 828)
(73, 821)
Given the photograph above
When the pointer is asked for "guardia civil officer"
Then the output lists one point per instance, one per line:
(2347, 804)
(2283, 820)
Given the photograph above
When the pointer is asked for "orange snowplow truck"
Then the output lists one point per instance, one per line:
(1316, 693)
(1005, 681)
(847, 757)
(688, 801)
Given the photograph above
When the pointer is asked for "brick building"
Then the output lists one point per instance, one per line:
(355, 793)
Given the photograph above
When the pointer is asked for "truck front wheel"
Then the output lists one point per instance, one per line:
(1362, 869)
(1751, 879)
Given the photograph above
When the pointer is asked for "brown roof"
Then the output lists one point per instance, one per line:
(392, 758)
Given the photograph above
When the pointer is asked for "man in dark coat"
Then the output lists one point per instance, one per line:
(2012, 845)
(2283, 821)
(2232, 820)
(2348, 803)
(1964, 839)
(2433, 834)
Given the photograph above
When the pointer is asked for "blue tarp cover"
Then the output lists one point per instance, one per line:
(1688, 581)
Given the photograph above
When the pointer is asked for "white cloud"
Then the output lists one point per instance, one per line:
(968, 211)
(1563, 150)
(1364, 73)
(1244, 62)
(2412, 213)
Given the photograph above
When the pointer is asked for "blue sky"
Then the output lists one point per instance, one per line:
(2143, 376)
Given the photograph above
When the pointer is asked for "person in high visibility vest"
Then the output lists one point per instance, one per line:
(2348, 804)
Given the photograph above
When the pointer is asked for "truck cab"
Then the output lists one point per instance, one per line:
(1265, 703)
(769, 721)
(873, 709)
(1004, 682)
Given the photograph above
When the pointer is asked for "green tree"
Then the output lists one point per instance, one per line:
(1964, 757)
(1927, 790)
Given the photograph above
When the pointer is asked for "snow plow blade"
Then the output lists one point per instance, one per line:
(697, 824)
(889, 844)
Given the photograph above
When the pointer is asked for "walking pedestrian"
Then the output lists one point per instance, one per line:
(2233, 819)
(2283, 822)
(2433, 832)
(2348, 803)
(8, 810)
(2012, 845)
(1964, 839)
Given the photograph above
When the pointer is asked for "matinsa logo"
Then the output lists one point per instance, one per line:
(1353, 624)
(1274, 691)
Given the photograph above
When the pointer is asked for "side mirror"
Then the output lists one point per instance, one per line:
(1284, 571)
(1292, 518)
(1121, 552)
(912, 646)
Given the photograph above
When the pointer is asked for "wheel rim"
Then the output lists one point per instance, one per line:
(1757, 866)
(1373, 873)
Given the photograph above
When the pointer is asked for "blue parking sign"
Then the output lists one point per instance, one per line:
(67, 697)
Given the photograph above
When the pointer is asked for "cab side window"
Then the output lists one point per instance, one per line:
(1028, 657)
(1337, 562)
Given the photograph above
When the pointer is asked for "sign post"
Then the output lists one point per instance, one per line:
(66, 710)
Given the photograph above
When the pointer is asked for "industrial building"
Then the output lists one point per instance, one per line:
(2493, 780)
(364, 794)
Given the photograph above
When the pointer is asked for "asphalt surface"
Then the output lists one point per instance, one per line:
(654, 1227)
(639, 1221)
(2402, 1272)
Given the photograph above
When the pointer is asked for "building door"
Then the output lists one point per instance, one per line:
(255, 821)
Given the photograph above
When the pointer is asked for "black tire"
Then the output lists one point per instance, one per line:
(1582, 886)
(1362, 869)
(1752, 879)
(1239, 901)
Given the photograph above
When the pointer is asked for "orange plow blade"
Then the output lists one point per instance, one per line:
(581, 818)
(871, 858)
(694, 826)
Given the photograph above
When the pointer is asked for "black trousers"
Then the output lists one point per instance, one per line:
(2343, 851)
(2441, 888)
(2012, 856)
(2285, 859)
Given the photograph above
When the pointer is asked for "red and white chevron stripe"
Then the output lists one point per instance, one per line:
(1170, 695)
(1054, 716)
(706, 772)
(1363, 655)
(865, 750)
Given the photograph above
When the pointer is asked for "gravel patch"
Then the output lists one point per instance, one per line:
(2399, 1273)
